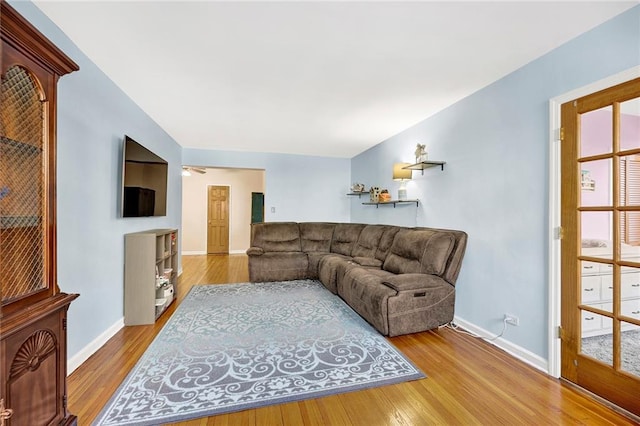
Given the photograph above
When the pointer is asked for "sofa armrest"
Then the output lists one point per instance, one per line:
(255, 251)
(409, 282)
(367, 262)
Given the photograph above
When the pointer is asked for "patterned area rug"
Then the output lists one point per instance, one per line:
(239, 346)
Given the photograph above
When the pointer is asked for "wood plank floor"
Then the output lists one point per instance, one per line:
(469, 382)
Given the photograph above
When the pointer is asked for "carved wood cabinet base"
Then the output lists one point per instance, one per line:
(34, 348)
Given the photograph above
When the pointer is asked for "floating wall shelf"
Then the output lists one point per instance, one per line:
(425, 165)
(359, 194)
(392, 202)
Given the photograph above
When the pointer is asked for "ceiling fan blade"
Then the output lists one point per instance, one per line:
(194, 169)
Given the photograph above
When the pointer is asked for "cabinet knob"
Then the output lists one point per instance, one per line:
(588, 289)
(635, 285)
(635, 312)
(5, 413)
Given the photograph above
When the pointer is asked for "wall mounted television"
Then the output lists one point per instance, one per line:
(144, 181)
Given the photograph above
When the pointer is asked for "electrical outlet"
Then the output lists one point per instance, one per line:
(511, 319)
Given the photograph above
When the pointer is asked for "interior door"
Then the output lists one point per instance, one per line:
(600, 246)
(218, 219)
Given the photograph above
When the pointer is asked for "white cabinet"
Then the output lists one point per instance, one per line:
(597, 292)
(150, 274)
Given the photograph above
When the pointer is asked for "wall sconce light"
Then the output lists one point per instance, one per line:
(402, 175)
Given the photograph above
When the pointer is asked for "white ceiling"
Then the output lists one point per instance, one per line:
(314, 78)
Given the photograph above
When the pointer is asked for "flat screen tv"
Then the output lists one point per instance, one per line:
(144, 181)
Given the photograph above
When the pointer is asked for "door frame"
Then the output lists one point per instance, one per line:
(555, 283)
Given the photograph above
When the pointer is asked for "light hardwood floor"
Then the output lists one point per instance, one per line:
(469, 382)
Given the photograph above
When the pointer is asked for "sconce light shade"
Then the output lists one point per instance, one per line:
(401, 174)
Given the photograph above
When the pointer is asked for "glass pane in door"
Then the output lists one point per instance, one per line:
(596, 235)
(630, 348)
(596, 136)
(630, 124)
(596, 183)
(597, 340)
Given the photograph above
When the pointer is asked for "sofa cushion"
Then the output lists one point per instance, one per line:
(344, 238)
(276, 236)
(327, 270)
(362, 290)
(278, 266)
(368, 241)
(315, 257)
(419, 251)
(316, 236)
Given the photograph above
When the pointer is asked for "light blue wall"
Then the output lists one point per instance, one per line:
(495, 183)
(301, 188)
(93, 116)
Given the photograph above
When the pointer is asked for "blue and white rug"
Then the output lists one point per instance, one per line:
(240, 346)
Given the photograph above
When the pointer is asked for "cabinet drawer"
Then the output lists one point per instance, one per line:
(590, 288)
(606, 290)
(590, 321)
(631, 308)
(630, 285)
(590, 268)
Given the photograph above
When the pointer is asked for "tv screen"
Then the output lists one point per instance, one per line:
(144, 181)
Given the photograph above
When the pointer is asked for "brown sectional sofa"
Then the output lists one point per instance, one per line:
(401, 280)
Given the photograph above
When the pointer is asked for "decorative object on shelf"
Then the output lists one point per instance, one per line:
(384, 196)
(421, 153)
(357, 187)
(586, 183)
(374, 194)
(402, 174)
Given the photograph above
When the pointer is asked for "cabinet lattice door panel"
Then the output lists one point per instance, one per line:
(22, 234)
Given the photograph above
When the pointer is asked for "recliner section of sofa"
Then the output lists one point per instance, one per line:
(401, 280)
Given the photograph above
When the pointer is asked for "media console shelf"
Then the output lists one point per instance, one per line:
(392, 202)
(150, 274)
(425, 165)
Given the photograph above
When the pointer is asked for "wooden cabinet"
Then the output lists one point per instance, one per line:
(150, 274)
(33, 322)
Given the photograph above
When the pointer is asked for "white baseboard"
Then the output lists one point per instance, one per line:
(237, 252)
(519, 352)
(76, 360)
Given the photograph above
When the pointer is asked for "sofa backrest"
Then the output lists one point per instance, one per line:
(276, 236)
(386, 240)
(452, 270)
(368, 241)
(316, 236)
(345, 236)
(425, 251)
